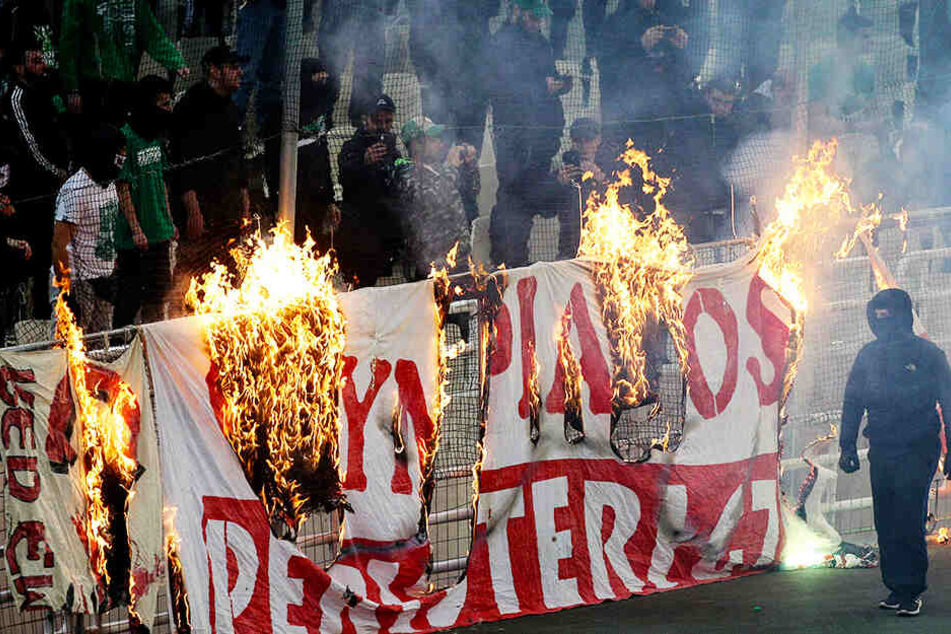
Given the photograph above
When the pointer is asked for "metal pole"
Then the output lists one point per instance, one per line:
(290, 121)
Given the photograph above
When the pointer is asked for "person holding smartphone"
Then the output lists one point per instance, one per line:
(579, 175)
(370, 237)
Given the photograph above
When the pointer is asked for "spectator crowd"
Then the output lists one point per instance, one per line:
(122, 187)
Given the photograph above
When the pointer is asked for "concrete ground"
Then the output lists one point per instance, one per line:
(805, 601)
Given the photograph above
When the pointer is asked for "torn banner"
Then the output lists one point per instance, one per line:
(557, 524)
(47, 557)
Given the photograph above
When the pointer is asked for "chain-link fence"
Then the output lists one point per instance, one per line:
(722, 93)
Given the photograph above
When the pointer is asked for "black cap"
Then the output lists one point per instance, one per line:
(384, 102)
(852, 21)
(585, 129)
(221, 55)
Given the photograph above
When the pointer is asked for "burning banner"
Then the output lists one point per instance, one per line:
(708, 511)
(275, 334)
(83, 494)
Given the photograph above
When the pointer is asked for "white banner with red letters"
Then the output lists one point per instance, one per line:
(557, 524)
(47, 558)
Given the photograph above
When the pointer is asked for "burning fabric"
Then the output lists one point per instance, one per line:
(275, 336)
(641, 264)
(117, 534)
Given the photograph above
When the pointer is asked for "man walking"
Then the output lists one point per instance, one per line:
(898, 379)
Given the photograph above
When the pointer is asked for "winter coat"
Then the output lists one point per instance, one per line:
(897, 379)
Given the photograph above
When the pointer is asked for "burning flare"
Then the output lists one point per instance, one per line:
(275, 334)
(641, 264)
(105, 447)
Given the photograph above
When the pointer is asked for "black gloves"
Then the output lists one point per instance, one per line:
(849, 461)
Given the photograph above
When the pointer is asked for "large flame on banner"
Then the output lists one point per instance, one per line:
(275, 335)
(106, 450)
(641, 264)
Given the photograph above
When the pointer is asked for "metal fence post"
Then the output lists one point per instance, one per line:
(290, 120)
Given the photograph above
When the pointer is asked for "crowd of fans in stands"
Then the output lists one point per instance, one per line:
(103, 171)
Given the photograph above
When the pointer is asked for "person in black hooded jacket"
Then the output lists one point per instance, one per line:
(898, 379)
(528, 119)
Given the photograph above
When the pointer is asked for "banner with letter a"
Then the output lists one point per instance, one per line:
(558, 524)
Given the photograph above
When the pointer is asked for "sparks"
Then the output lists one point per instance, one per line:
(276, 335)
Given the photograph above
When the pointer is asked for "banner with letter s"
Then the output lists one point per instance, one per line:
(556, 525)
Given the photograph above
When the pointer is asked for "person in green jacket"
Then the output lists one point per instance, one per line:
(101, 45)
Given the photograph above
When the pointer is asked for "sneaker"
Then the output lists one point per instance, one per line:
(910, 608)
(890, 603)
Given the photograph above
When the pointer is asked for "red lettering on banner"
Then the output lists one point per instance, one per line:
(59, 451)
(774, 334)
(594, 367)
(10, 375)
(28, 492)
(502, 341)
(711, 302)
(21, 420)
(35, 535)
(315, 581)
(527, 286)
(237, 539)
(412, 404)
(357, 411)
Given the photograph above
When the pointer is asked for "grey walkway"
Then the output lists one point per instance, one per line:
(804, 601)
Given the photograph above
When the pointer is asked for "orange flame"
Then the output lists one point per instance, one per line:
(641, 266)
(104, 439)
(176, 573)
(813, 208)
(574, 422)
(275, 333)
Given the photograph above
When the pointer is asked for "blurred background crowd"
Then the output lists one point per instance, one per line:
(140, 138)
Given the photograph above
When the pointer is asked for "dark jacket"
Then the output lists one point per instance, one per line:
(207, 147)
(898, 379)
(366, 187)
(519, 63)
(370, 236)
(30, 122)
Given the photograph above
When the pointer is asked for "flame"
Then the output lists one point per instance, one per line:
(574, 422)
(641, 266)
(275, 333)
(534, 395)
(105, 440)
(180, 607)
(813, 207)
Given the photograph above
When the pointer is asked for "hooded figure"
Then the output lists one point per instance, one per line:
(898, 379)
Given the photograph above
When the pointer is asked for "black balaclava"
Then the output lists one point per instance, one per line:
(316, 98)
(148, 120)
(100, 157)
(890, 314)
